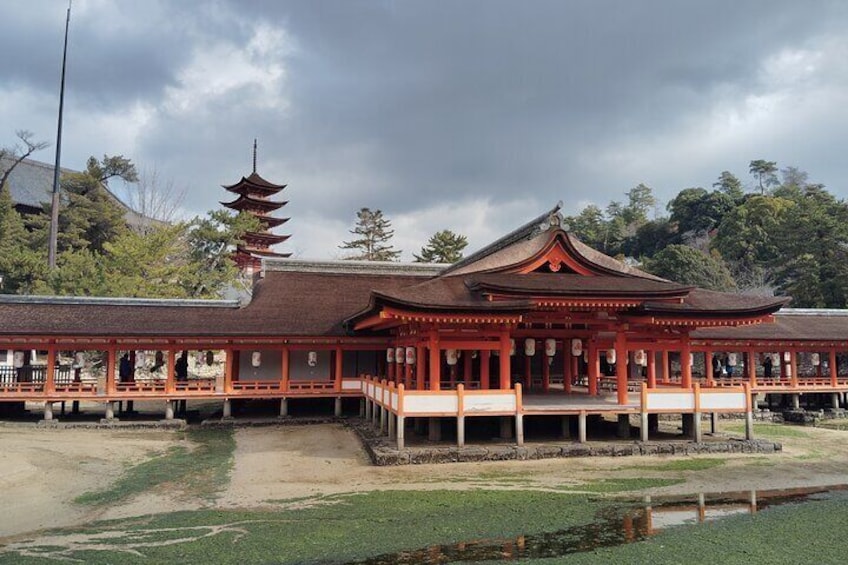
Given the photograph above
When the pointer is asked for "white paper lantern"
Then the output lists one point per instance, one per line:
(511, 346)
(611, 357)
(529, 347)
(550, 347)
(256, 359)
(731, 359)
(399, 355)
(691, 359)
(312, 358)
(577, 347)
(451, 356)
(640, 357)
(390, 355)
(815, 359)
(19, 359)
(789, 370)
(79, 360)
(775, 359)
(410, 356)
(787, 356)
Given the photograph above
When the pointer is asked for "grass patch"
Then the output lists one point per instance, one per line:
(699, 464)
(835, 424)
(770, 430)
(201, 471)
(608, 486)
(356, 527)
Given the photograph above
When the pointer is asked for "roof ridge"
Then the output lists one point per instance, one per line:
(116, 301)
(515, 235)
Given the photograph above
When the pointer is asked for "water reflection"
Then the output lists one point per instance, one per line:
(614, 526)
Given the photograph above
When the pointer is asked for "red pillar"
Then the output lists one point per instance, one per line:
(594, 368)
(567, 375)
(652, 368)
(435, 363)
(485, 357)
(338, 370)
(834, 370)
(284, 370)
(708, 367)
(420, 374)
(685, 366)
(466, 367)
(621, 366)
(546, 372)
(50, 371)
(505, 378)
(793, 366)
(752, 369)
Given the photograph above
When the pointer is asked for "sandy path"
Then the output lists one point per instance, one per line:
(43, 470)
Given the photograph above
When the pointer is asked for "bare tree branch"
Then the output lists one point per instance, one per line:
(19, 153)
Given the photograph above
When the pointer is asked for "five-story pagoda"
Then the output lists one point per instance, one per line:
(254, 197)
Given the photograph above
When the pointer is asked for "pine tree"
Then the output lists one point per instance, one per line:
(374, 232)
(443, 247)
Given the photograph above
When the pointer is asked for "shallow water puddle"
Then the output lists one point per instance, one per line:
(628, 523)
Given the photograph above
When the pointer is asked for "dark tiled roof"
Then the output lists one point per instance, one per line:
(565, 284)
(700, 301)
(791, 325)
(31, 185)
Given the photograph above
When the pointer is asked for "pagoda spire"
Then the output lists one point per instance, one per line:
(255, 197)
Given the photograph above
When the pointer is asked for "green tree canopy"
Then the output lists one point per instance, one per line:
(765, 173)
(443, 246)
(687, 265)
(373, 233)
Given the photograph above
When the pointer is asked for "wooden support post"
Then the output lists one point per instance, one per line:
(466, 367)
(460, 415)
(749, 413)
(696, 417)
(505, 362)
(111, 353)
(652, 368)
(284, 408)
(227, 409)
(594, 368)
(485, 369)
(643, 407)
(435, 363)
(686, 364)
(110, 411)
(285, 364)
(519, 429)
(401, 423)
(170, 374)
(581, 427)
(832, 367)
(384, 417)
(169, 410)
(407, 376)
(567, 367)
(621, 355)
(546, 372)
(666, 365)
(391, 421)
(752, 369)
(50, 372)
(708, 368)
(420, 365)
(338, 370)
(337, 411)
(793, 368)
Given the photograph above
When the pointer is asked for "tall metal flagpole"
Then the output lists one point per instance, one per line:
(54, 215)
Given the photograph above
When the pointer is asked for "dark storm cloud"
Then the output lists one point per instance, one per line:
(408, 105)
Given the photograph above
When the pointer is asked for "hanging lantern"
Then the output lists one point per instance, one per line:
(775, 359)
(210, 358)
(256, 358)
(19, 359)
(529, 347)
(550, 347)
(640, 357)
(390, 355)
(79, 360)
(312, 358)
(410, 356)
(511, 346)
(789, 370)
(731, 359)
(787, 356)
(815, 359)
(399, 355)
(451, 356)
(577, 347)
(611, 356)
(474, 354)
(199, 358)
(691, 359)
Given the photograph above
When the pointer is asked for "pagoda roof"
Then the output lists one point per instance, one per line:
(249, 250)
(264, 237)
(254, 184)
(542, 265)
(271, 221)
(245, 201)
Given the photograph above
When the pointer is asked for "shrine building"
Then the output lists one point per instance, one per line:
(536, 324)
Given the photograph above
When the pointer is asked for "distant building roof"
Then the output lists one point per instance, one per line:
(31, 185)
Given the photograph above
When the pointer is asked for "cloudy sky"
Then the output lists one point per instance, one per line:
(469, 115)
